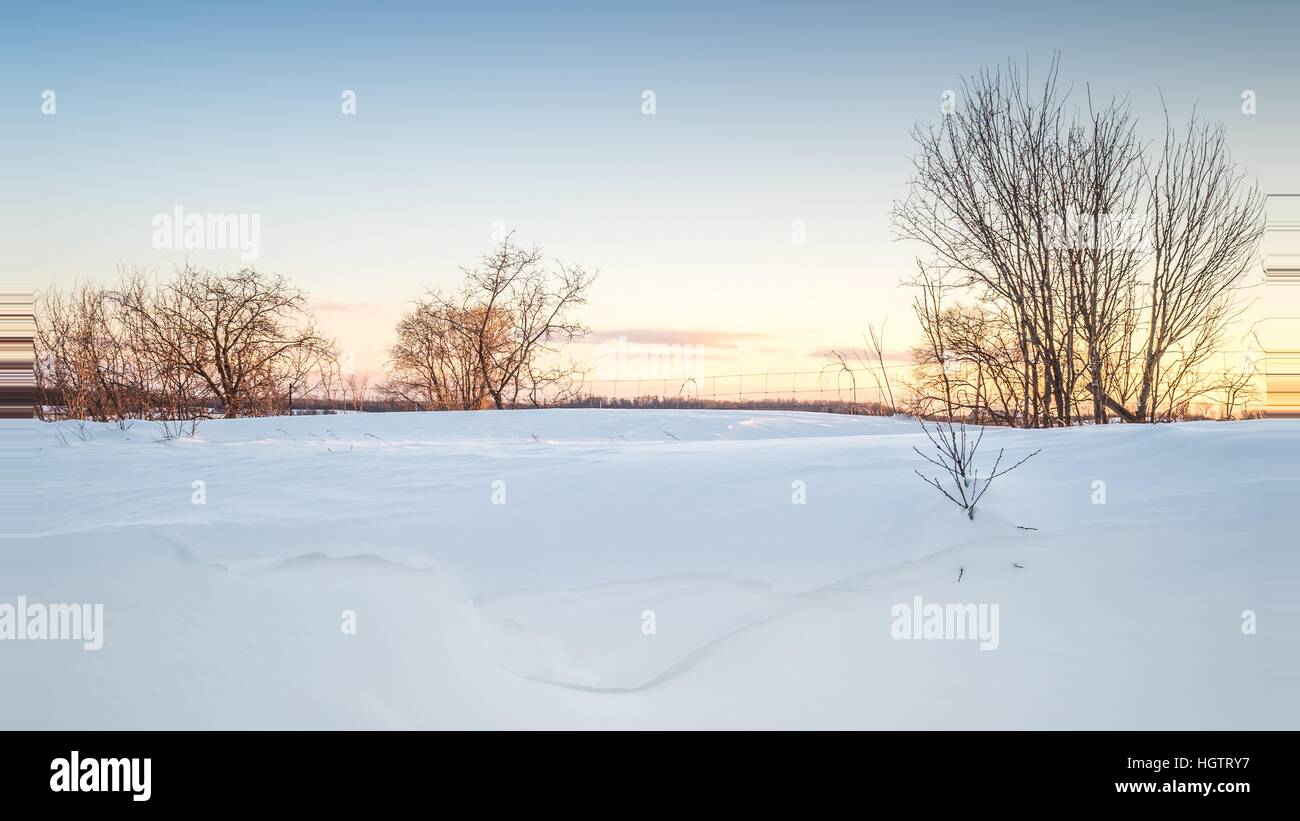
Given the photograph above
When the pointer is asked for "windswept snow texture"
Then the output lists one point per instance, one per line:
(647, 569)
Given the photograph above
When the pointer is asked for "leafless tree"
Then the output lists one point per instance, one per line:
(247, 337)
(85, 364)
(1097, 189)
(982, 200)
(1233, 389)
(968, 359)
(434, 363)
(1115, 275)
(1205, 225)
(494, 340)
(355, 386)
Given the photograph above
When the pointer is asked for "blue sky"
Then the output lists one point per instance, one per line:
(530, 114)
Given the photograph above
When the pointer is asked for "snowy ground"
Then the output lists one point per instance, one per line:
(533, 613)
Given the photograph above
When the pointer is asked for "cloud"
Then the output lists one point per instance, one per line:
(333, 307)
(852, 354)
(672, 336)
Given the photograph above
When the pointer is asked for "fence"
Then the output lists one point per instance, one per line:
(830, 384)
(837, 385)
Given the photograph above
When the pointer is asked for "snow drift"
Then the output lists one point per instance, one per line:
(611, 568)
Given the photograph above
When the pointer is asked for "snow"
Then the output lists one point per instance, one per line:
(533, 613)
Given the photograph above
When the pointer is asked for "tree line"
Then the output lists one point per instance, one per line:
(203, 343)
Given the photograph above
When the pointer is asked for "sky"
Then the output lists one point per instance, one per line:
(772, 123)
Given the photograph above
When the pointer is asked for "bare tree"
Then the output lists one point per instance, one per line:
(1235, 390)
(85, 364)
(982, 200)
(1097, 190)
(494, 340)
(355, 386)
(1115, 275)
(434, 363)
(538, 302)
(247, 337)
(979, 372)
(1206, 224)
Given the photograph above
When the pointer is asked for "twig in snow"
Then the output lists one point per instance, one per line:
(1023, 527)
(961, 571)
(954, 454)
(673, 436)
